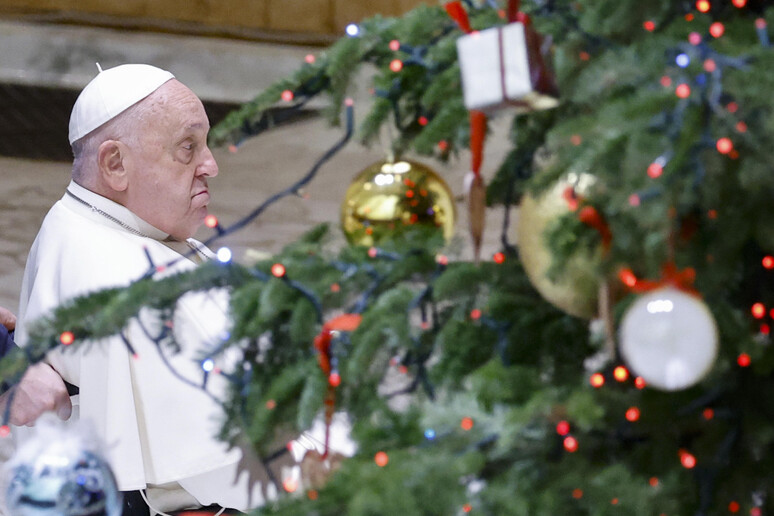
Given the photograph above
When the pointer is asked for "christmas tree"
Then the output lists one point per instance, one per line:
(615, 360)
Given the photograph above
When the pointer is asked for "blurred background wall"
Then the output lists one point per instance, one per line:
(290, 21)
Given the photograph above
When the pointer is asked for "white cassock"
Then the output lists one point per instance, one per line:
(159, 432)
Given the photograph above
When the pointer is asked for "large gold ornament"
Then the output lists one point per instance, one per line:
(389, 196)
(576, 288)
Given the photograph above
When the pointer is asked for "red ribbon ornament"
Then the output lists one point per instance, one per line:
(457, 12)
(591, 217)
(671, 276)
(322, 343)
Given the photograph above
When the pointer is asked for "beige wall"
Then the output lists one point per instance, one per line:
(320, 17)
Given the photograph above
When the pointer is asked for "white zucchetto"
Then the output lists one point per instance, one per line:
(110, 93)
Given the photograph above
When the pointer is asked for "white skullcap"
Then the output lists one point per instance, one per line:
(110, 93)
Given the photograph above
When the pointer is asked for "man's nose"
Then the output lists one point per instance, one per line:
(208, 166)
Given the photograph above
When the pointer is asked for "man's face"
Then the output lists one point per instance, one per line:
(169, 162)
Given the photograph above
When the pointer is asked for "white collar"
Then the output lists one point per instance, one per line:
(111, 212)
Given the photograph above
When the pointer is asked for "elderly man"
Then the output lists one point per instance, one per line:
(138, 191)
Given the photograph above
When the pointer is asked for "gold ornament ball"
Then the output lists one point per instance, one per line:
(389, 196)
(575, 290)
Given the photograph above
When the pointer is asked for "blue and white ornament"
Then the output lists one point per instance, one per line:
(59, 471)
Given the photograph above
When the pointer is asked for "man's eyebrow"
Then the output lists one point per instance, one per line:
(197, 125)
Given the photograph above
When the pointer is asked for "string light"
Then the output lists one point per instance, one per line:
(709, 65)
(441, 259)
(290, 484)
(655, 170)
(208, 364)
(335, 287)
(381, 459)
(633, 414)
(271, 405)
(563, 428)
(224, 255)
(467, 508)
(733, 506)
(768, 262)
(423, 121)
(627, 277)
(5, 431)
(498, 257)
(620, 373)
(666, 81)
(466, 423)
(394, 45)
(352, 30)
(765, 329)
(682, 60)
(309, 58)
(687, 459)
(741, 126)
(577, 493)
(758, 310)
(739, 3)
(278, 270)
(475, 314)
(683, 91)
(576, 139)
(429, 434)
(396, 65)
(67, 338)
(694, 38)
(724, 145)
(743, 360)
(570, 444)
(312, 494)
(597, 380)
(732, 107)
(287, 95)
(211, 221)
(703, 6)
(717, 29)
(334, 379)
(653, 481)
(649, 26)
(639, 382)
(708, 413)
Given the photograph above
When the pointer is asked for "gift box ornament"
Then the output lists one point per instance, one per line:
(507, 66)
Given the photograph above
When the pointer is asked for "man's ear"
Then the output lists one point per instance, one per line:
(111, 157)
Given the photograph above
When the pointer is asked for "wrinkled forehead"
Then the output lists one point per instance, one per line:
(174, 107)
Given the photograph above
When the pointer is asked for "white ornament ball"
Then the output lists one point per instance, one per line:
(669, 338)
